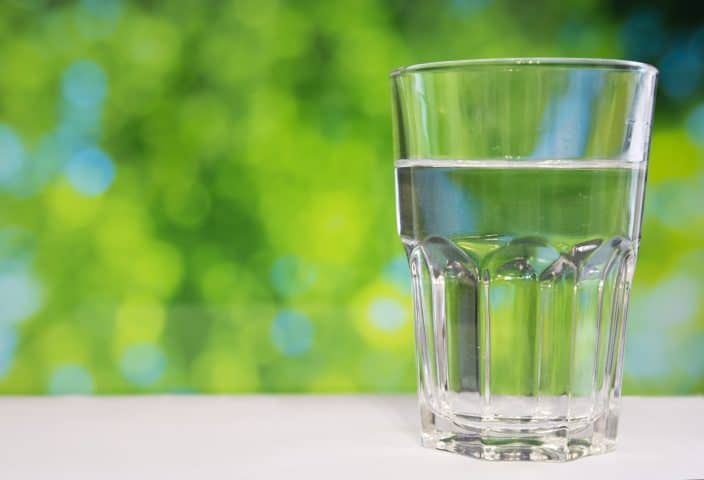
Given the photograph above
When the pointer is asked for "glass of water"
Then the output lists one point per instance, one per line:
(520, 188)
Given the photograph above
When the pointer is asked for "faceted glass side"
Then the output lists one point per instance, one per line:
(520, 353)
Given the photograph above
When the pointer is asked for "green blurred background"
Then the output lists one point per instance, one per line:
(198, 196)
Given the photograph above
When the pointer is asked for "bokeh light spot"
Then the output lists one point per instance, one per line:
(84, 84)
(291, 276)
(143, 364)
(103, 9)
(90, 172)
(647, 354)
(8, 342)
(673, 301)
(97, 18)
(681, 71)
(671, 202)
(140, 319)
(382, 315)
(226, 370)
(42, 164)
(292, 333)
(20, 293)
(158, 268)
(387, 314)
(643, 35)
(70, 379)
(11, 154)
(188, 205)
(655, 316)
(328, 220)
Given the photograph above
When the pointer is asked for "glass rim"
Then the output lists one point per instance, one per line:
(553, 62)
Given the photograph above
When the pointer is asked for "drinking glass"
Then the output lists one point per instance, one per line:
(520, 188)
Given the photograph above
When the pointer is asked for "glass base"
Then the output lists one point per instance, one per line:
(542, 442)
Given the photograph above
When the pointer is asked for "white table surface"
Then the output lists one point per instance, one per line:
(311, 437)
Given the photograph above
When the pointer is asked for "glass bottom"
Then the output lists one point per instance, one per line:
(541, 441)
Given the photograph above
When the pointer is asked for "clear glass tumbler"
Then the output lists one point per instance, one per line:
(520, 189)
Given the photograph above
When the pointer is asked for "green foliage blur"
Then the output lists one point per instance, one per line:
(198, 196)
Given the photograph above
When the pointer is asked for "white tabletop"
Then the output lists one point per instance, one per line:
(326, 437)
